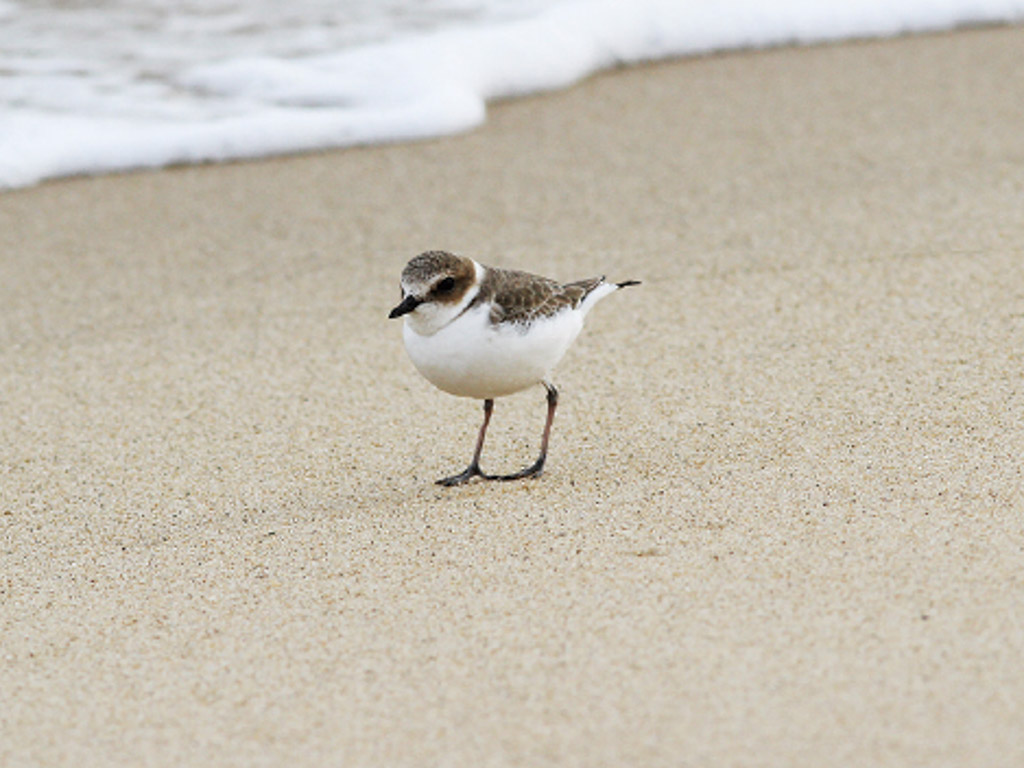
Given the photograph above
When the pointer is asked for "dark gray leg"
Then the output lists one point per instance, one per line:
(538, 466)
(473, 470)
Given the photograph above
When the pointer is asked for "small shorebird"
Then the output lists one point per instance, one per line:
(481, 332)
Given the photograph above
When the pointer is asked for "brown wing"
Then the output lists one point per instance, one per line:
(519, 297)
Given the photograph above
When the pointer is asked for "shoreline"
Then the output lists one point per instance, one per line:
(361, 95)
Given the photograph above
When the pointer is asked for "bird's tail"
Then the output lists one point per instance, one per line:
(602, 289)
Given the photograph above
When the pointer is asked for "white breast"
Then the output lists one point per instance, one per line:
(470, 357)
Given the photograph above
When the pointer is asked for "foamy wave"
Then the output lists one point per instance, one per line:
(429, 85)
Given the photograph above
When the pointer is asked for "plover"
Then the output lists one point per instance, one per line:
(481, 332)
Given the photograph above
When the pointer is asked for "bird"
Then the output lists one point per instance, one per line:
(485, 332)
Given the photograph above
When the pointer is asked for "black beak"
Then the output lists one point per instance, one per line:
(409, 303)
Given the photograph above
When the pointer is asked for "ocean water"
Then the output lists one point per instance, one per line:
(112, 85)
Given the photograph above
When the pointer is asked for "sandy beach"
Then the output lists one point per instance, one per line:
(781, 522)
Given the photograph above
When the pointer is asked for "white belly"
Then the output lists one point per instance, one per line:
(471, 358)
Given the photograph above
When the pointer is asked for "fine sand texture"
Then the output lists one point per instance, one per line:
(782, 522)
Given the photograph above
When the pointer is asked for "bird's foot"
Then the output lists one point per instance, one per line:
(473, 470)
(534, 470)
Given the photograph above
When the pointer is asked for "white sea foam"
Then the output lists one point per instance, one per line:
(225, 80)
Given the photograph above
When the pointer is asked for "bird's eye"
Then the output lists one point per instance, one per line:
(446, 285)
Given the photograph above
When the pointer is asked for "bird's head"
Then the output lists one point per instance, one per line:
(436, 286)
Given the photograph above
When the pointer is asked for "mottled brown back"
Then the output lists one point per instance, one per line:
(519, 297)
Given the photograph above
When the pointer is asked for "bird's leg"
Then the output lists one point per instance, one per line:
(538, 466)
(473, 470)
